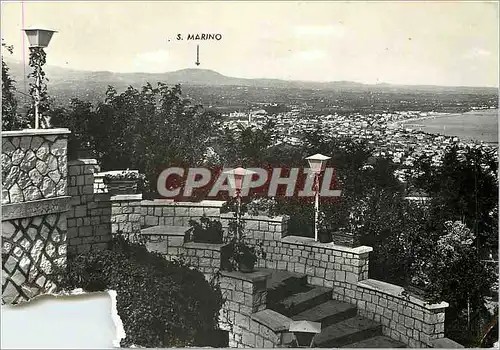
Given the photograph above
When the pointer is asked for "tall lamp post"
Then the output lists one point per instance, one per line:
(317, 163)
(235, 179)
(38, 39)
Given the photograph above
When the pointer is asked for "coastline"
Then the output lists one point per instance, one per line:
(435, 115)
(459, 125)
(410, 120)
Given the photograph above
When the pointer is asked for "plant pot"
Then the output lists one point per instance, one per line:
(121, 186)
(416, 291)
(325, 237)
(246, 266)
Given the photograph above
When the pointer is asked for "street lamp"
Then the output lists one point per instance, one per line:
(317, 163)
(38, 39)
(236, 179)
(304, 332)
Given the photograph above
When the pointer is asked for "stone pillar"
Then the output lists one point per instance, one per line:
(126, 214)
(245, 294)
(90, 214)
(34, 209)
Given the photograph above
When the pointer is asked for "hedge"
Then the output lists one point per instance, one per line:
(161, 303)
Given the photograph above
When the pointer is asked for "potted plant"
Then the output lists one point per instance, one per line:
(205, 231)
(325, 235)
(325, 230)
(124, 182)
(240, 253)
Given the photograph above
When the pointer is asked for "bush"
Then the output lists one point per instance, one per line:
(206, 231)
(161, 303)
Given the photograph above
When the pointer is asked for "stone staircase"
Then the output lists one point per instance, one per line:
(291, 296)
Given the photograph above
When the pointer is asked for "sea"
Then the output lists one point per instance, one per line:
(477, 125)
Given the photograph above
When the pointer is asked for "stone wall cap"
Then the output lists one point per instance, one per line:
(207, 246)
(126, 197)
(37, 207)
(114, 172)
(273, 320)
(83, 162)
(35, 132)
(446, 343)
(308, 241)
(172, 203)
(255, 276)
(278, 219)
(165, 230)
(396, 291)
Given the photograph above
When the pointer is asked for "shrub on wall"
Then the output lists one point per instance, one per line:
(161, 303)
(206, 230)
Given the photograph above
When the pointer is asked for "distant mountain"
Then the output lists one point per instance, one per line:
(88, 82)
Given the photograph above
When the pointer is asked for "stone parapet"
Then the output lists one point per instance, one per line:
(33, 164)
(126, 214)
(245, 294)
(89, 219)
(168, 212)
(405, 318)
(34, 210)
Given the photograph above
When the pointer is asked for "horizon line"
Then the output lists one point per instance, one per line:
(268, 78)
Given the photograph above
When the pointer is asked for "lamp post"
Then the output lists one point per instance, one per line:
(235, 179)
(38, 39)
(317, 163)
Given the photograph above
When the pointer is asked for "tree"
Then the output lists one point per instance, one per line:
(148, 129)
(78, 118)
(464, 188)
(11, 120)
(246, 145)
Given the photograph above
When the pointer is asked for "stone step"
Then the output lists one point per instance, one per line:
(376, 342)
(282, 284)
(328, 313)
(302, 301)
(165, 230)
(348, 331)
(282, 277)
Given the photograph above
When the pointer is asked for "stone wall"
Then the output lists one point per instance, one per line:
(168, 212)
(33, 164)
(245, 295)
(126, 214)
(34, 209)
(89, 220)
(345, 270)
(205, 257)
(407, 319)
(96, 216)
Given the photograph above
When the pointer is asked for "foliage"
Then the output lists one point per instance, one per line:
(245, 145)
(11, 120)
(425, 248)
(161, 303)
(147, 129)
(206, 231)
(239, 249)
(455, 273)
(39, 92)
(77, 118)
(125, 175)
(464, 188)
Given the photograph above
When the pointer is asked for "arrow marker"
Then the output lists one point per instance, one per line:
(197, 55)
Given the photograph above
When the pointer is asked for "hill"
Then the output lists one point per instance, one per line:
(65, 84)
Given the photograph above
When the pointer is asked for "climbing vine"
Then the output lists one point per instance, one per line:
(36, 62)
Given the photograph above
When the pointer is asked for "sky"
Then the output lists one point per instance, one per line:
(435, 43)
